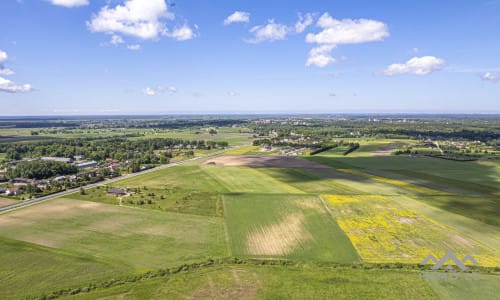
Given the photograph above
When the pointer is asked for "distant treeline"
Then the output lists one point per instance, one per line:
(462, 134)
(37, 124)
(143, 150)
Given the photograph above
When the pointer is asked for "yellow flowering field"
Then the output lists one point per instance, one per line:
(399, 183)
(382, 230)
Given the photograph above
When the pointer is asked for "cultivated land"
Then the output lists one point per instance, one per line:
(288, 226)
(258, 225)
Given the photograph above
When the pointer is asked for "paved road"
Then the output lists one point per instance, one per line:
(108, 181)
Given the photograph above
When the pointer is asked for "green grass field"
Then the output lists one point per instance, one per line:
(366, 208)
(275, 282)
(29, 269)
(139, 239)
(293, 227)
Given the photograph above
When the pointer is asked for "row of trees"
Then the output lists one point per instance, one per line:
(40, 169)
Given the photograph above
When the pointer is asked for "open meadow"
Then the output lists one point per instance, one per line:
(316, 212)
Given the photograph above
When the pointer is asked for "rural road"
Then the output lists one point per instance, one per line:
(108, 181)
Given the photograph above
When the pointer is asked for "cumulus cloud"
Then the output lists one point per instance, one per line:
(151, 91)
(341, 32)
(233, 93)
(70, 3)
(237, 17)
(417, 65)
(321, 56)
(116, 39)
(490, 77)
(3, 59)
(143, 19)
(347, 31)
(183, 33)
(138, 18)
(7, 85)
(269, 32)
(134, 47)
(10, 87)
(303, 22)
(6, 71)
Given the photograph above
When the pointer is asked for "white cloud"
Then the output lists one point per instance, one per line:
(10, 87)
(7, 85)
(5, 71)
(182, 34)
(490, 77)
(321, 56)
(269, 32)
(149, 91)
(340, 32)
(70, 3)
(237, 17)
(303, 22)
(137, 18)
(233, 93)
(417, 65)
(3, 57)
(116, 39)
(134, 47)
(347, 31)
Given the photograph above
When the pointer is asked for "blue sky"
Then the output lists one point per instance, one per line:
(196, 56)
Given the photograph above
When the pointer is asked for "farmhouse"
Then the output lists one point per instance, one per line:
(13, 191)
(117, 192)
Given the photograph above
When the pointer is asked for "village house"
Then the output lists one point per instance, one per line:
(14, 191)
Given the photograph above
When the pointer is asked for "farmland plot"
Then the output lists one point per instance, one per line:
(382, 230)
(285, 226)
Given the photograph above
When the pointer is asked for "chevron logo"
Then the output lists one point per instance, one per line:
(449, 256)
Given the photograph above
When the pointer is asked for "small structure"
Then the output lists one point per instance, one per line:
(79, 157)
(60, 178)
(117, 192)
(87, 164)
(13, 191)
(58, 159)
(22, 181)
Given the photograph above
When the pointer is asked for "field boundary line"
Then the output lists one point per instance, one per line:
(226, 229)
(332, 216)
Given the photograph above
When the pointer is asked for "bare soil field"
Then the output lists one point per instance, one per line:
(280, 238)
(386, 150)
(5, 202)
(263, 161)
